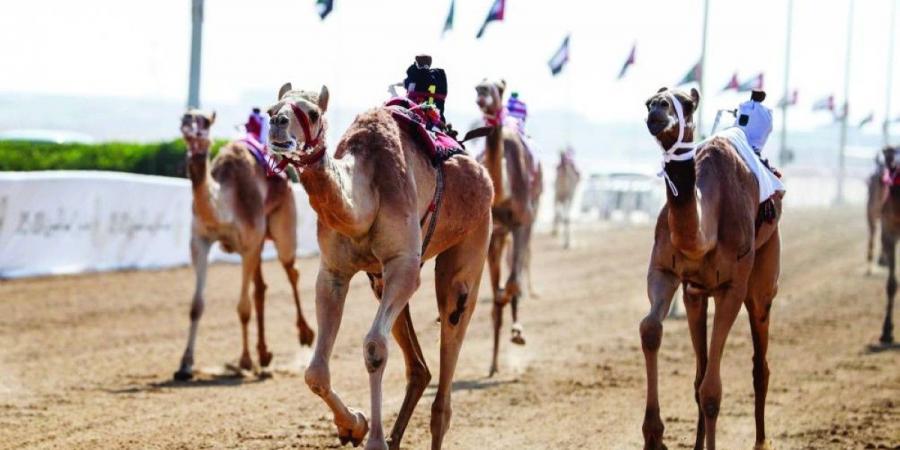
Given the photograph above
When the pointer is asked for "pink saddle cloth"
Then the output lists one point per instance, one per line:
(422, 123)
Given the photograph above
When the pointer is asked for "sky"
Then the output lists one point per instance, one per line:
(140, 50)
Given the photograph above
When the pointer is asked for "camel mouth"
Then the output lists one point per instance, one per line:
(282, 146)
(656, 126)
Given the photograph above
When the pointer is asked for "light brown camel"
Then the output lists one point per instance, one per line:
(370, 198)
(567, 179)
(236, 204)
(890, 232)
(509, 164)
(874, 203)
(707, 239)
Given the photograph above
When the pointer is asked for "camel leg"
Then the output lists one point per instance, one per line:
(661, 287)
(283, 229)
(727, 307)
(532, 292)
(457, 278)
(521, 242)
(871, 243)
(696, 307)
(259, 298)
(200, 260)
(331, 292)
(761, 293)
(250, 261)
(401, 279)
(417, 374)
(889, 247)
(495, 254)
(567, 224)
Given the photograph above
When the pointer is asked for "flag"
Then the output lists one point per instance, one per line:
(826, 103)
(867, 120)
(496, 13)
(751, 84)
(693, 75)
(733, 83)
(628, 62)
(788, 101)
(448, 24)
(560, 58)
(324, 7)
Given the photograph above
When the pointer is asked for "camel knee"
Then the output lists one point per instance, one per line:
(375, 352)
(710, 399)
(651, 333)
(318, 379)
(196, 309)
(243, 310)
(419, 375)
(892, 285)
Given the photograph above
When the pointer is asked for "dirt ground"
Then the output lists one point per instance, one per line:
(86, 361)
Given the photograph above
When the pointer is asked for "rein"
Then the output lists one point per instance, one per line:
(316, 143)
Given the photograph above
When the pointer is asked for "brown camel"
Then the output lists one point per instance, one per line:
(509, 164)
(236, 204)
(567, 179)
(707, 239)
(371, 198)
(890, 232)
(874, 203)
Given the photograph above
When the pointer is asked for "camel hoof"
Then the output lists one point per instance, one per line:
(357, 433)
(493, 371)
(265, 358)
(767, 445)
(307, 336)
(183, 375)
(246, 363)
(886, 339)
(517, 337)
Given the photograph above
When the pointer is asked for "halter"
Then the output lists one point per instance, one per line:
(495, 120)
(315, 143)
(669, 154)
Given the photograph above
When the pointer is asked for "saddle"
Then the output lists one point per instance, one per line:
(423, 123)
(261, 154)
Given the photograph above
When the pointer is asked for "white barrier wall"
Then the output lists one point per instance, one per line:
(63, 222)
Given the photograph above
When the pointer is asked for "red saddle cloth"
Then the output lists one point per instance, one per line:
(422, 124)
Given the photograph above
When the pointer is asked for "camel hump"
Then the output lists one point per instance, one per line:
(235, 169)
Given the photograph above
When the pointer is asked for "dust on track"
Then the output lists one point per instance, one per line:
(86, 361)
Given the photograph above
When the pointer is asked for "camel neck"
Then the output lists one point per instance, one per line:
(198, 172)
(684, 176)
(493, 160)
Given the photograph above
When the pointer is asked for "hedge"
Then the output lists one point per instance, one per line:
(161, 158)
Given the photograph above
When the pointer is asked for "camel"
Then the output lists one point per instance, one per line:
(567, 179)
(509, 164)
(370, 198)
(238, 205)
(874, 203)
(709, 240)
(890, 232)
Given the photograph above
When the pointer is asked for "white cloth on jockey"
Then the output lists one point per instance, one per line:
(768, 182)
(759, 123)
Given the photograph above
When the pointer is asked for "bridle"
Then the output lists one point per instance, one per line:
(316, 144)
(671, 154)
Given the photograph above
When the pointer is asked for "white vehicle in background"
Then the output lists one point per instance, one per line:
(628, 196)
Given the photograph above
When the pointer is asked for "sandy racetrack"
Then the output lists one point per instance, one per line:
(86, 361)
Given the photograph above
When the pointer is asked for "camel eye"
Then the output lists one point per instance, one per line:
(663, 104)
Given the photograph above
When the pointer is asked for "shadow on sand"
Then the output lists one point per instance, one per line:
(469, 385)
(226, 378)
(880, 347)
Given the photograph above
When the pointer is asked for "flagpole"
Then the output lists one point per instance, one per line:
(196, 44)
(702, 66)
(890, 76)
(839, 197)
(787, 87)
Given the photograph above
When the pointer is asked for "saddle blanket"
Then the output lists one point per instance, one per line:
(769, 184)
(416, 122)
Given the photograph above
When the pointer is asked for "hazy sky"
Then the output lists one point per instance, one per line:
(141, 49)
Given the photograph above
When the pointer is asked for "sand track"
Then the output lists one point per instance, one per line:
(86, 361)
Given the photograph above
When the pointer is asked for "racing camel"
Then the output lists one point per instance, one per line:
(238, 205)
(890, 232)
(370, 198)
(708, 239)
(567, 179)
(509, 164)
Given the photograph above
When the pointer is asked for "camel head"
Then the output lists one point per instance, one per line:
(195, 126)
(297, 121)
(490, 96)
(663, 115)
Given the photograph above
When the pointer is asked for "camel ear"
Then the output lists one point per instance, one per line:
(284, 90)
(695, 96)
(212, 118)
(323, 99)
(662, 89)
(501, 86)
